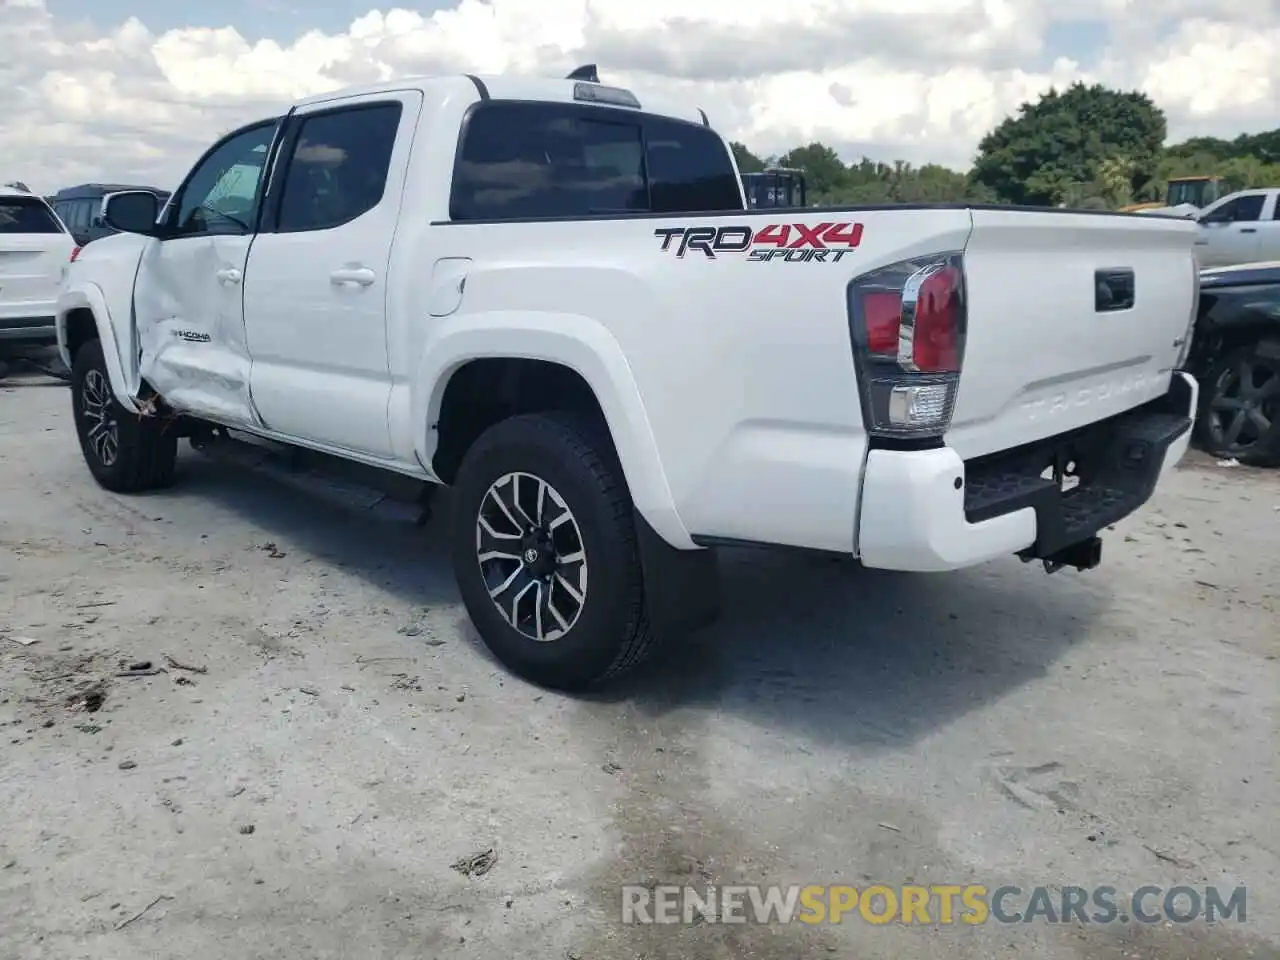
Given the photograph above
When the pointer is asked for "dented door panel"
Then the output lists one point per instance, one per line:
(190, 320)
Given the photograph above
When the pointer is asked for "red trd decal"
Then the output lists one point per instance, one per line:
(848, 234)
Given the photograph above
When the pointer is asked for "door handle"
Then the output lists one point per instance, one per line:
(1248, 229)
(229, 275)
(361, 275)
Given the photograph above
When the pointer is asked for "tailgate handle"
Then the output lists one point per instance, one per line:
(1113, 290)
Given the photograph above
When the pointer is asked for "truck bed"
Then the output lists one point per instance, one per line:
(779, 413)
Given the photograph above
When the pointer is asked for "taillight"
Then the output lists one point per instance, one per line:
(75, 252)
(908, 323)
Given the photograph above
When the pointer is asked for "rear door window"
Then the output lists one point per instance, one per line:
(26, 215)
(339, 166)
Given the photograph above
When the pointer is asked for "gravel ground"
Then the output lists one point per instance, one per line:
(344, 739)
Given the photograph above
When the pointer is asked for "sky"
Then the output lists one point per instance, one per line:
(134, 90)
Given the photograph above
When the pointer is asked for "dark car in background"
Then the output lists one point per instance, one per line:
(1235, 355)
(80, 207)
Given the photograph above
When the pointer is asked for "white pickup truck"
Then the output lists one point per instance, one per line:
(1242, 227)
(550, 296)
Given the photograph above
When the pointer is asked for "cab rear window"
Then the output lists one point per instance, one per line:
(26, 215)
(534, 160)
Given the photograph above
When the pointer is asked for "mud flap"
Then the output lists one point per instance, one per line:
(682, 587)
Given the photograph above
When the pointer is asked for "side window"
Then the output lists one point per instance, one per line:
(222, 194)
(339, 167)
(1275, 214)
(1223, 214)
(531, 160)
(85, 210)
(1249, 207)
(72, 216)
(689, 168)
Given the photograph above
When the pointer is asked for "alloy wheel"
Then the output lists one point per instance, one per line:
(101, 430)
(1245, 404)
(531, 555)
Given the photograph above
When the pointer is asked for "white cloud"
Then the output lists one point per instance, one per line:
(912, 79)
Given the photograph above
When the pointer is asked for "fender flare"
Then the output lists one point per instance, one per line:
(584, 346)
(88, 296)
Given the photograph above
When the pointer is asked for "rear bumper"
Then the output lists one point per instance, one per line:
(28, 320)
(42, 329)
(928, 510)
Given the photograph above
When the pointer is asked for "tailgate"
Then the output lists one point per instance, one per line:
(31, 265)
(1052, 343)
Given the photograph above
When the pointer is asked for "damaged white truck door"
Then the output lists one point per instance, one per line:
(316, 286)
(189, 295)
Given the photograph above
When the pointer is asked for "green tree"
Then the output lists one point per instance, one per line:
(1209, 148)
(1264, 146)
(1065, 138)
(1116, 176)
(748, 162)
(824, 172)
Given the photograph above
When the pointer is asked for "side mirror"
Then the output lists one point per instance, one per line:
(132, 211)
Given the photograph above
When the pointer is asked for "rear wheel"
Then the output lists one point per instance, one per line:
(125, 452)
(544, 551)
(1240, 406)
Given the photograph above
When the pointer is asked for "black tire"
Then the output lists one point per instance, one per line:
(611, 631)
(57, 369)
(143, 456)
(1222, 399)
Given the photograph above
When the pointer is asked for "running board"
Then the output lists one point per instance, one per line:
(353, 486)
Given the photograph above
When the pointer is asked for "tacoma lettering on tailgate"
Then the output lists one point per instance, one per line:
(1057, 403)
(788, 242)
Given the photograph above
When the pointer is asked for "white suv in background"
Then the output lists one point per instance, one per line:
(35, 248)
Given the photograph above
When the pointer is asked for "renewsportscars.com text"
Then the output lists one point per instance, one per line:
(943, 904)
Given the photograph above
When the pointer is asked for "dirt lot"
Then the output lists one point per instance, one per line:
(345, 740)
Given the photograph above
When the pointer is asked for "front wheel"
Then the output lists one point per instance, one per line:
(1240, 405)
(544, 551)
(125, 452)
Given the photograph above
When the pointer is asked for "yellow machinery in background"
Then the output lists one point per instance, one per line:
(1197, 191)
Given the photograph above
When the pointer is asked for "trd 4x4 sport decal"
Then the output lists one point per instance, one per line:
(791, 242)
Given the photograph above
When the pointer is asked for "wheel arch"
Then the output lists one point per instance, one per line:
(522, 363)
(83, 315)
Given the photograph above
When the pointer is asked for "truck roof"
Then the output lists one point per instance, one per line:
(7, 191)
(509, 87)
(95, 190)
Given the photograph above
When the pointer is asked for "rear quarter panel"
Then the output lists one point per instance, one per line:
(743, 366)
